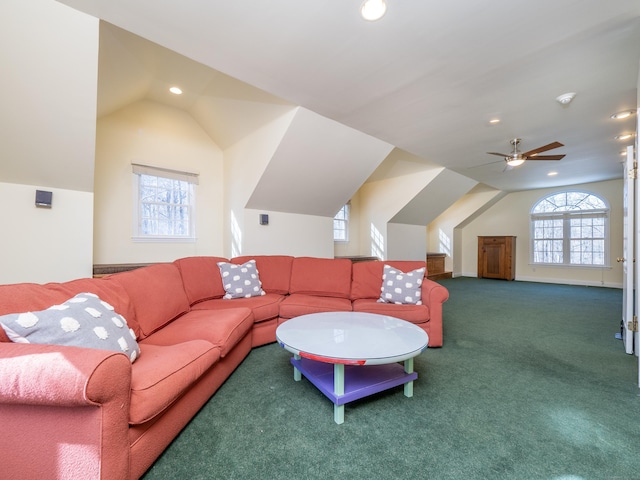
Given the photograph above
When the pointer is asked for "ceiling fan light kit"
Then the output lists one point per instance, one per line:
(514, 161)
(516, 158)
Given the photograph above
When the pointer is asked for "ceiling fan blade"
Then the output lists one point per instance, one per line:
(535, 151)
(485, 164)
(499, 154)
(546, 157)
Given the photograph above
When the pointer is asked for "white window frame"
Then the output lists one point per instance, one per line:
(561, 231)
(191, 179)
(343, 213)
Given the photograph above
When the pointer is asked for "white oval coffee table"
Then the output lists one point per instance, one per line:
(350, 355)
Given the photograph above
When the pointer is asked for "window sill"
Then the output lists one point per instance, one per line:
(163, 239)
(567, 265)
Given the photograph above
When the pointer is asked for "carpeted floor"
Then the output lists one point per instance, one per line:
(530, 384)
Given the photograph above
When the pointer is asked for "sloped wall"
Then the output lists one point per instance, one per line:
(49, 58)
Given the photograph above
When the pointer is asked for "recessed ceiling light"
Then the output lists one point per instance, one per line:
(565, 98)
(622, 115)
(624, 136)
(494, 121)
(176, 90)
(373, 9)
(552, 174)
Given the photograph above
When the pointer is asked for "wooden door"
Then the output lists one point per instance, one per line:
(494, 260)
(496, 257)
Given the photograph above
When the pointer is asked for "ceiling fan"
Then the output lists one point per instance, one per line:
(516, 157)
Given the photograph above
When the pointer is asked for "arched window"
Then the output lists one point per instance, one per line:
(570, 228)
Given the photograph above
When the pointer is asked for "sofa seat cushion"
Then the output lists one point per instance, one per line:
(264, 307)
(275, 271)
(223, 328)
(298, 304)
(163, 373)
(324, 277)
(410, 313)
(367, 276)
(201, 277)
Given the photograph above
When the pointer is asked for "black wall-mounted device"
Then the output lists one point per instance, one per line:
(264, 219)
(43, 198)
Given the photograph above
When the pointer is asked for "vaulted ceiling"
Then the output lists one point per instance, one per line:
(426, 78)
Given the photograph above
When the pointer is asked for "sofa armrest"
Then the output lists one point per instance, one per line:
(434, 295)
(62, 376)
(64, 412)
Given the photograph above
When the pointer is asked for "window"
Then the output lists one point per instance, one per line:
(164, 204)
(341, 225)
(570, 228)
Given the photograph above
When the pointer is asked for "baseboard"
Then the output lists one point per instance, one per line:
(560, 281)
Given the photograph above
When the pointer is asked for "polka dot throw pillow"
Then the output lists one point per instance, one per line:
(401, 288)
(240, 281)
(82, 321)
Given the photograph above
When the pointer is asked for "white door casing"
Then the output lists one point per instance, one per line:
(629, 240)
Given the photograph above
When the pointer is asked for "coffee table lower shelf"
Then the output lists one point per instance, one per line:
(346, 383)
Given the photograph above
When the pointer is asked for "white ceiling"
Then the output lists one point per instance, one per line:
(426, 78)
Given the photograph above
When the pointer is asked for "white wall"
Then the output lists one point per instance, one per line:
(510, 216)
(287, 234)
(152, 134)
(44, 244)
(49, 58)
(406, 242)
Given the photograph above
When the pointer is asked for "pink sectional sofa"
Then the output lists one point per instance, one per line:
(73, 412)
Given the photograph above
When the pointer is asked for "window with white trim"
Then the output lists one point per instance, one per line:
(164, 204)
(341, 224)
(570, 228)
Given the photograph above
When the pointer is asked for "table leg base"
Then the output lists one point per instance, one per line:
(357, 381)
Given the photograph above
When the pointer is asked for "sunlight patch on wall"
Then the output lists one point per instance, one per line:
(236, 237)
(377, 243)
(445, 242)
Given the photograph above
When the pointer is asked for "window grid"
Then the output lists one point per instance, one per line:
(165, 207)
(341, 225)
(570, 228)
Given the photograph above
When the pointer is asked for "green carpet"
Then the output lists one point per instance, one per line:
(530, 384)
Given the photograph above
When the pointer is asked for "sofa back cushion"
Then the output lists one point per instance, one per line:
(156, 293)
(367, 276)
(274, 271)
(324, 277)
(32, 297)
(201, 277)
